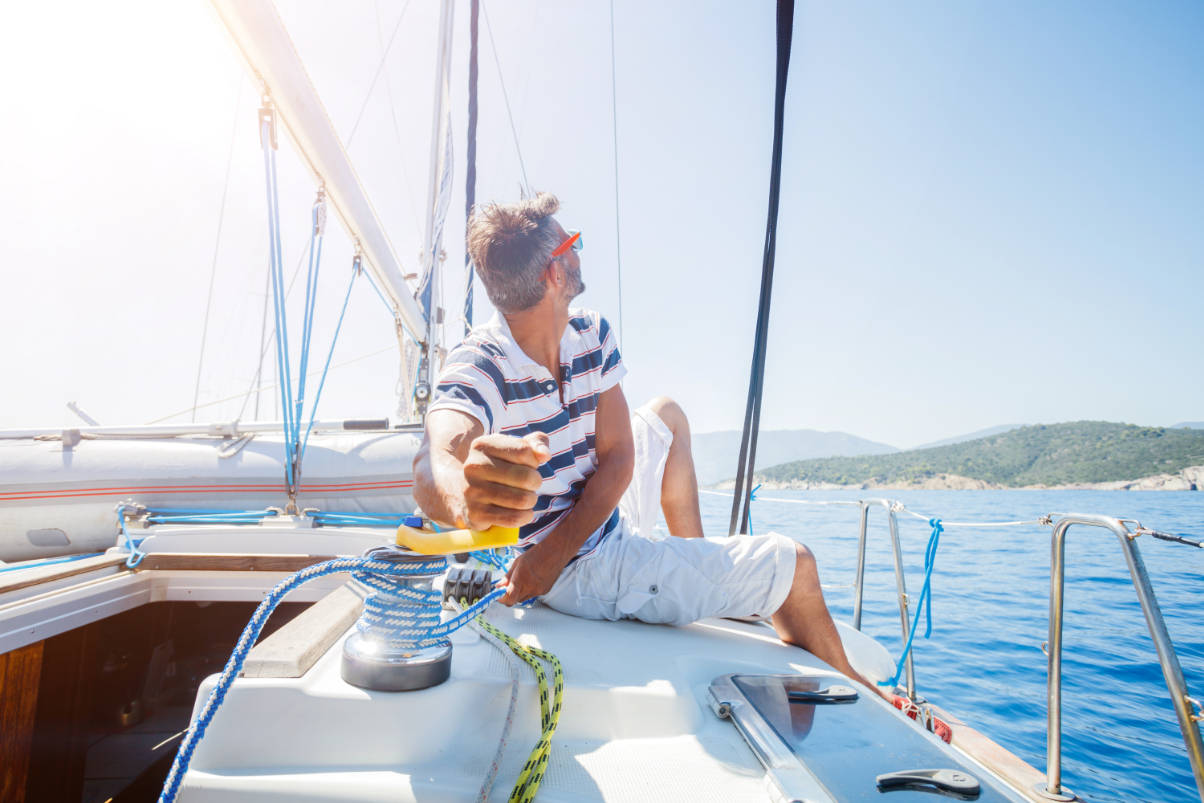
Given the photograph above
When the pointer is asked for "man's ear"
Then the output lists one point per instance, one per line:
(554, 273)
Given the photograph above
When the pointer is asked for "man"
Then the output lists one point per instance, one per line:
(528, 427)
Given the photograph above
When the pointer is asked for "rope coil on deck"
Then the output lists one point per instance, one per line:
(409, 630)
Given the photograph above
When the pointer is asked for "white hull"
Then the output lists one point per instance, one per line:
(57, 499)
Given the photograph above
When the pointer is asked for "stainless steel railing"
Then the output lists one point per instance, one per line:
(1172, 672)
(900, 582)
(1167, 659)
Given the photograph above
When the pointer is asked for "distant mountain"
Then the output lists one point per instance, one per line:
(1057, 454)
(971, 436)
(716, 453)
(1189, 425)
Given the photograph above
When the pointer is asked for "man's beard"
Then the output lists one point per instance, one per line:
(578, 286)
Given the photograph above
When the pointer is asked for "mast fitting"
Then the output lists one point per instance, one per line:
(267, 119)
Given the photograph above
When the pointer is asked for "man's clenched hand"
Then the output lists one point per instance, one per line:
(534, 572)
(502, 480)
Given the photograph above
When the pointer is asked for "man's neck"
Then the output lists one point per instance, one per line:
(538, 331)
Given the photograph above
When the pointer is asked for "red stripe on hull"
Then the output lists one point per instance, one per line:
(21, 496)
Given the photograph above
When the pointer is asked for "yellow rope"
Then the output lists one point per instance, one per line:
(549, 712)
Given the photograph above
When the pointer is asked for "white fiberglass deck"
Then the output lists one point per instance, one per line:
(635, 725)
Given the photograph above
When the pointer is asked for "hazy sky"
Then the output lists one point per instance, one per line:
(990, 212)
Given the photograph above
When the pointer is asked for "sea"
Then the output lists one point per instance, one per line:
(983, 660)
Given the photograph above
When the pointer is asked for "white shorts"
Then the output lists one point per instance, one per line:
(671, 580)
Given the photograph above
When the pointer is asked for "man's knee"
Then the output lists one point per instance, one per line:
(805, 570)
(671, 413)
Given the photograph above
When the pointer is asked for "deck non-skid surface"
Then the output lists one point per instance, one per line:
(635, 724)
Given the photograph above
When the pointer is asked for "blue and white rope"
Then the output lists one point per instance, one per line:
(365, 570)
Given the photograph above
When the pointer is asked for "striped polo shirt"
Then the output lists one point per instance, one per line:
(489, 377)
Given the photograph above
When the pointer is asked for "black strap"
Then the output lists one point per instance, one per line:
(741, 497)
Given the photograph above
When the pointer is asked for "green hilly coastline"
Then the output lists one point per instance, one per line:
(1076, 453)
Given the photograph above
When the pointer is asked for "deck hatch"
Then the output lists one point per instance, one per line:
(819, 743)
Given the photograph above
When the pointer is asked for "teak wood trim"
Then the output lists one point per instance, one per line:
(294, 648)
(44, 574)
(208, 561)
(1024, 776)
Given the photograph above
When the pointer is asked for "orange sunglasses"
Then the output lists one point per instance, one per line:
(573, 242)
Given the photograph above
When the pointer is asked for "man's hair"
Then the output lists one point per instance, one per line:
(511, 244)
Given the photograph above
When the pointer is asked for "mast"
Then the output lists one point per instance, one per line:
(438, 200)
(264, 44)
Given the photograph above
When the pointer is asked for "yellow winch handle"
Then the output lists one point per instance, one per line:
(447, 542)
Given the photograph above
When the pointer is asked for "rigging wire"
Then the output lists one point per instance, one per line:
(506, 98)
(756, 380)
(896, 507)
(263, 349)
(405, 176)
(470, 173)
(217, 244)
(272, 386)
(375, 76)
(264, 345)
(284, 371)
(614, 120)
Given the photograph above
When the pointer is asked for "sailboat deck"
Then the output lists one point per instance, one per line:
(635, 725)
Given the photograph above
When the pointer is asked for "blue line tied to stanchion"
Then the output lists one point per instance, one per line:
(752, 497)
(924, 606)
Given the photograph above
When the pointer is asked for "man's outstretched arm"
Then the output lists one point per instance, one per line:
(468, 479)
(535, 571)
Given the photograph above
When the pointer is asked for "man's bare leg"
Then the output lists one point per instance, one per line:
(679, 488)
(804, 621)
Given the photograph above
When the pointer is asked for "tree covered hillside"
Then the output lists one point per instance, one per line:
(1057, 454)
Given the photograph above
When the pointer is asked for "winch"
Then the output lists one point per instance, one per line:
(399, 643)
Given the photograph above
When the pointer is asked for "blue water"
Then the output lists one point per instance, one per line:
(983, 662)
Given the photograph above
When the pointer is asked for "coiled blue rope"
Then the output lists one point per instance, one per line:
(924, 606)
(413, 628)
